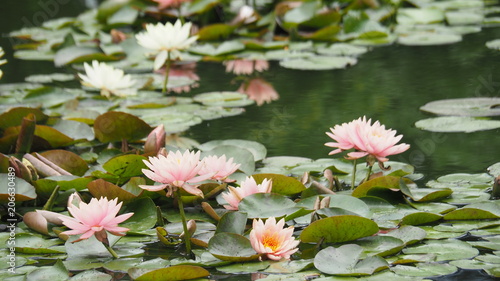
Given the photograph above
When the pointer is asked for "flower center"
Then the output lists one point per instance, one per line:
(271, 241)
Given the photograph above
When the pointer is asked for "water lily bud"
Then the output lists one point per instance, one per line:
(117, 36)
(191, 226)
(155, 140)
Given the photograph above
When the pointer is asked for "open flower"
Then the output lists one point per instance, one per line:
(247, 187)
(176, 170)
(220, 167)
(166, 40)
(108, 79)
(244, 66)
(95, 218)
(272, 239)
(259, 90)
(368, 139)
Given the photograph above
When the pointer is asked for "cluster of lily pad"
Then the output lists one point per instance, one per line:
(344, 220)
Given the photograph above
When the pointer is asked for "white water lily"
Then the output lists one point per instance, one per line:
(166, 39)
(108, 79)
(2, 61)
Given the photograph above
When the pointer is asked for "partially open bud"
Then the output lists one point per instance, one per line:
(155, 141)
(117, 36)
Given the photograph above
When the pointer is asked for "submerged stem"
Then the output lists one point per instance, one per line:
(110, 250)
(187, 235)
(167, 70)
(353, 177)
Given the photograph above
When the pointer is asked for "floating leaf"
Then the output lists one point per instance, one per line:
(232, 247)
(342, 49)
(75, 130)
(125, 166)
(456, 124)
(425, 269)
(281, 183)
(172, 273)
(67, 160)
(144, 217)
(117, 126)
(264, 205)
(380, 245)
(93, 275)
(101, 188)
(48, 273)
(15, 116)
(425, 39)
(345, 261)
(318, 63)
(419, 16)
(223, 49)
(385, 182)
(408, 234)
(474, 107)
(420, 218)
(345, 202)
(20, 189)
(258, 150)
(477, 211)
(77, 54)
(248, 267)
(493, 44)
(445, 250)
(226, 99)
(233, 222)
(240, 155)
(346, 228)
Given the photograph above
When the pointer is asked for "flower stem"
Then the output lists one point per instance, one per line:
(110, 250)
(48, 205)
(368, 173)
(187, 235)
(353, 177)
(167, 70)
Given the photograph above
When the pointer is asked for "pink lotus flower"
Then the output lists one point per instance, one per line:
(247, 187)
(176, 170)
(162, 4)
(243, 66)
(259, 90)
(367, 139)
(94, 218)
(219, 166)
(271, 239)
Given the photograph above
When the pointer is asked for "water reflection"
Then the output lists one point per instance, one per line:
(257, 89)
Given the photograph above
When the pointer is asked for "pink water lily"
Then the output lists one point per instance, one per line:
(219, 167)
(162, 4)
(95, 218)
(271, 239)
(247, 187)
(366, 138)
(176, 170)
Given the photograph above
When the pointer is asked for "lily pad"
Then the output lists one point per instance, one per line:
(477, 211)
(345, 261)
(456, 124)
(474, 107)
(21, 190)
(445, 250)
(264, 205)
(232, 247)
(427, 39)
(258, 150)
(319, 63)
(410, 16)
(226, 99)
(281, 184)
(347, 228)
(172, 273)
(425, 269)
(117, 126)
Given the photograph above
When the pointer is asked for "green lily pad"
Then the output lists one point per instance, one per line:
(75, 130)
(258, 150)
(411, 16)
(172, 273)
(493, 44)
(226, 99)
(232, 247)
(248, 267)
(342, 49)
(117, 126)
(474, 107)
(240, 155)
(445, 250)
(347, 228)
(226, 47)
(425, 269)
(426, 39)
(425, 194)
(477, 211)
(318, 63)
(420, 218)
(464, 17)
(32, 244)
(345, 261)
(408, 234)
(91, 275)
(281, 184)
(233, 222)
(56, 272)
(385, 182)
(14, 116)
(78, 54)
(494, 169)
(144, 217)
(456, 124)
(23, 191)
(380, 245)
(264, 205)
(125, 166)
(48, 78)
(345, 202)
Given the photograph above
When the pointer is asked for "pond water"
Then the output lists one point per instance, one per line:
(388, 83)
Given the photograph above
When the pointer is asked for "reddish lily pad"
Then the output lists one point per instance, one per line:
(386, 182)
(483, 210)
(67, 160)
(15, 116)
(101, 188)
(117, 126)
